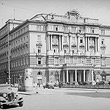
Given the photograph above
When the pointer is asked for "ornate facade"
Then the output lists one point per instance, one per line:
(65, 48)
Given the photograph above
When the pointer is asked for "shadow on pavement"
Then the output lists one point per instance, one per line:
(91, 94)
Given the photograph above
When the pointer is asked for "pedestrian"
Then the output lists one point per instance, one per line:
(36, 89)
(97, 84)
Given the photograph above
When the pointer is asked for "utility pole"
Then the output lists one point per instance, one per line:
(8, 29)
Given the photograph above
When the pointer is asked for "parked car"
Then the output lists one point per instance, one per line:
(9, 96)
(101, 83)
(48, 85)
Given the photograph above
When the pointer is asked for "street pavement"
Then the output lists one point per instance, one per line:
(66, 99)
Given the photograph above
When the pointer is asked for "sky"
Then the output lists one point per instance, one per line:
(26, 9)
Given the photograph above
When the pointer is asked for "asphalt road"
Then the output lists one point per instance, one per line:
(66, 99)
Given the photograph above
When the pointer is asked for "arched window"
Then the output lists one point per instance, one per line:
(39, 73)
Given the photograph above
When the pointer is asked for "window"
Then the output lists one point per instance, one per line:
(67, 59)
(39, 73)
(55, 39)
(65, 39)
(81, 40)
(73, 39)
(55, 28)
(80, 31)
(38, 27)
(72, 51)
(39, 61)
(103, 32)
(39, 50)
(102, 42)
(92, 31)
(73, 29)
(56, 60)
(64, 51)
(39, 37)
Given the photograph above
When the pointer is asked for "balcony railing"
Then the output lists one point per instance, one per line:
(65, 45)
(91, 46)
(103, 47)
(54, 45)
(81, 45)
(73, 45)
(38, 44)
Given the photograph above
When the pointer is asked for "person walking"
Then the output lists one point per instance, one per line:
(97, 84)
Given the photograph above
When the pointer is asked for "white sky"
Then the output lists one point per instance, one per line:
(26, 9)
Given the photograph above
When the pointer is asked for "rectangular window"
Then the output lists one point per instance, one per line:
(39, 50)
(73, 39)
(39, 61)
(55, 39)
(39, 37)
(56, 60)
(38, 27)
(67, 59)
(73, 29)
(92, 30)
(81, 40)
(102, 41)
(55, 27)
(71, 60)
(103, 32)
(65, 39)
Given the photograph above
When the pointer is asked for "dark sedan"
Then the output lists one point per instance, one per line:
(49, 86)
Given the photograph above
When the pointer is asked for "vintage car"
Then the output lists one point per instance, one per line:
(48, 85)
(9, 96)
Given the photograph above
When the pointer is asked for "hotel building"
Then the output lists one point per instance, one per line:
(53, 48)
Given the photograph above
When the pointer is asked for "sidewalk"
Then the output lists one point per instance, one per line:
(62, 91)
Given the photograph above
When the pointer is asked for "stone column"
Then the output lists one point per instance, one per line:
(59, 76)
(50, 41)
(77, 43)
(92, 77)
(87, 44)
(97, 44)
(69, 43)
(76, 76)
(66, 75)
(61, 42)
(63, 76)
(84, 75)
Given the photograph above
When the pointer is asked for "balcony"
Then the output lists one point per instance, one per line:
(81, 45)
(39, 44)
(73, 46)
(91, 46)
(54, 45)
(103, 47)
(65, 45)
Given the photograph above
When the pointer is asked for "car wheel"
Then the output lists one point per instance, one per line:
(3, 106)
(20, 104)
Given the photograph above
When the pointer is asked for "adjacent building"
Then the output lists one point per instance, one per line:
(54, 48)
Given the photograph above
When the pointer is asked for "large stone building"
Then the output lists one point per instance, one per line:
(65, 48)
